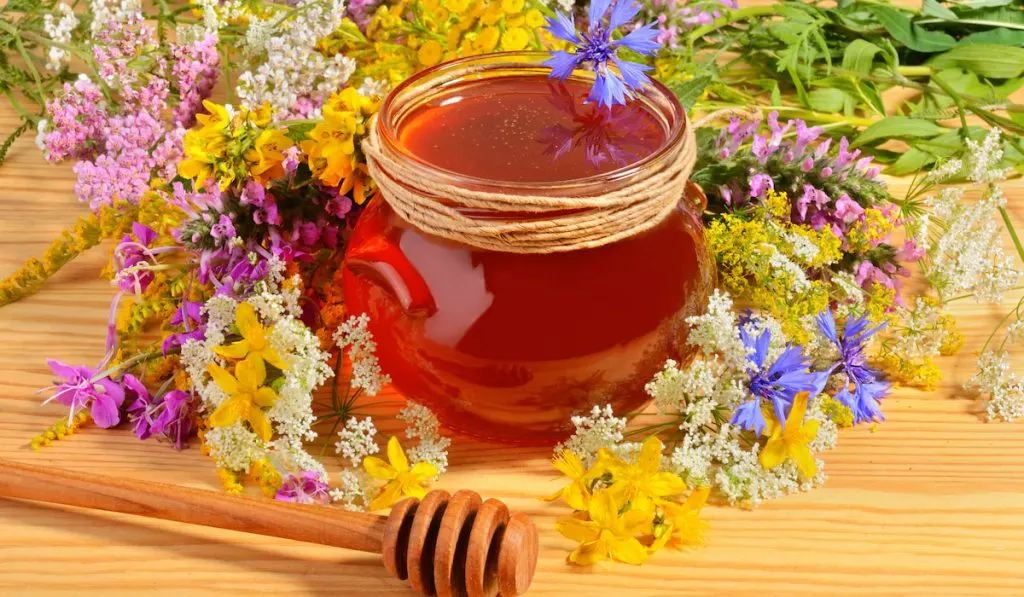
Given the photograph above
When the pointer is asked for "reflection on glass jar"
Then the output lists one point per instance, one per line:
(508, 346)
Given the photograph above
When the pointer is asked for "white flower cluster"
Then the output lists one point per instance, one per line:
(968, 256)
(374, 89)
(366, 371)
(715, 331)
(105, 12)
(358, 440)
(235, 447)
(983, 159)
(60, 32)
(921, 334)
(1004, 389)
(422, 423)
(355, 490)
(600, 429)
(285, 65)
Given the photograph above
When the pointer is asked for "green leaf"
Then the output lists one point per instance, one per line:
(933, 8)
(828, 99)
(899, 127)
(986, 3)
(1000, 36)
(987, 60)
(914, 160)
(913, 36)
(859, 56)
(689, 91)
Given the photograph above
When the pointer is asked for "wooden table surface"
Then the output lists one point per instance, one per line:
(931, 502)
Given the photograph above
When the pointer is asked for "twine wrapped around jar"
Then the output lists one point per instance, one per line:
(522, 220)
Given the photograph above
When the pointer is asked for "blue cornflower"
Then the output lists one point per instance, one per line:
(779, 382)
(596, 49)
(867, 388)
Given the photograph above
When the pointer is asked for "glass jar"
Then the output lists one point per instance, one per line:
(508, 346)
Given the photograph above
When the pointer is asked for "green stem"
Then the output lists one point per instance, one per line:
(1013, 232)
(743, 14)
(916, 71)
(1002, 24)
(961, 109)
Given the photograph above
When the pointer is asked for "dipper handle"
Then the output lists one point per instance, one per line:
(327, 526)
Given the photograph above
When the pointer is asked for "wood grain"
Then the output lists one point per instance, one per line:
(930, 503)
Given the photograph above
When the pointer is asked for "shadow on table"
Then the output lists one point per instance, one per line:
(321, 572)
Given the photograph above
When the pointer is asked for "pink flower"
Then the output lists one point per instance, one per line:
(848, 210)
(305, 488)
(82, 389)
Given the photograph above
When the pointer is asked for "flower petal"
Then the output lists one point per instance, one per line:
(228, 413)
(271, 356)
(260, 424)
(632, 73)
(622, 13)
(569, 464)
(378, 469)
(589, 553)
(424, 471)
(596, 12)
(396, 455)
(665, 484)
(390, 493)
(251, 373)
(641, 40)
(235, 350)
(223, 379)
(265, 397)
(649, 460)
(804, 459)
(104, 411)
(627, 550)
(562, 27)
(773, 454)
(577, 529)
(603, 509)
(248, 323)
(576, 496)
(636, 522)
(562, 64)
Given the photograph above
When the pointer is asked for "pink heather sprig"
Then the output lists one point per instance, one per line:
(76, 118)
(194, 69)
(673, 17)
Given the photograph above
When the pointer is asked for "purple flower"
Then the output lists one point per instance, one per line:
(596, 50)
(82, 389)
(777, 383)
(188, 316)
(304, 488)
(133, 250)
(867, 388)
(170, 416)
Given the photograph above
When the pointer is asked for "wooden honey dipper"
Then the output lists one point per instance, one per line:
(445, 544)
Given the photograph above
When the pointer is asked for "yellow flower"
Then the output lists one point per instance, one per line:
(641, 484)
(535, 19)
(791, 442)
(331, 147)
(266, 155)
(577, 493)
(402, 480)
(514, 39)
(681, 524)
(492, 14)
(254, 342)
(607, 535)
(457, 6)
(247, 397)
(487, 39)
(511, 7)
(201, 157)
(430, 52)
(215, 121)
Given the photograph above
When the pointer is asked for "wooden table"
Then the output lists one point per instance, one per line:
(932, 502)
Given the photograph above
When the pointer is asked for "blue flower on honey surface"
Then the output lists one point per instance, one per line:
(608, 534)
(792, 440)
(595, 49)
(779, 382)
(867, 388)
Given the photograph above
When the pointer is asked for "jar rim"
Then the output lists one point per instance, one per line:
(661, 101)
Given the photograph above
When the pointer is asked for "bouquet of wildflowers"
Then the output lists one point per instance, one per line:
(227, 218)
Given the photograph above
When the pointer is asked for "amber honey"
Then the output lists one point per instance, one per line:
(508, 346)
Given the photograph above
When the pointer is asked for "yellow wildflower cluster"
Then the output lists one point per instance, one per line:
(268, 477)
(229, 479)
(245, 387)
(112, 221)
(231, 148)
(625, 511)
(414, 34)
(401, 479)
(835, 411)
(770, 261)
(60, 430)
(866, 233)
(332, 149)
(923, 373)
